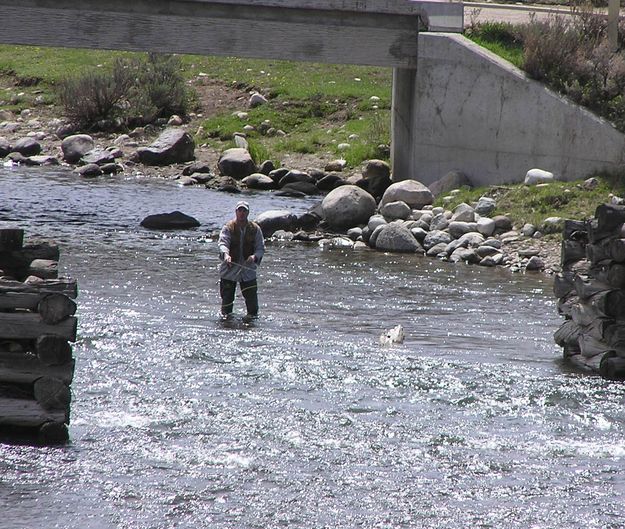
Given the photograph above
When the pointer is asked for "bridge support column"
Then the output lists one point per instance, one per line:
(403, 123)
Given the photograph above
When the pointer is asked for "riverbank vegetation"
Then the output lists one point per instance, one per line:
(570, 54)
(533, 204)
(341, 109)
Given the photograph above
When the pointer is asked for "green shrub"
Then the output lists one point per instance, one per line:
(96, 95)
(160, 90)
(134, 91)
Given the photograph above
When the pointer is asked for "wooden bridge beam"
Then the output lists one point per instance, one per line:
(373, 35)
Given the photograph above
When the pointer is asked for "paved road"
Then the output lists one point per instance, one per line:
(516, 14)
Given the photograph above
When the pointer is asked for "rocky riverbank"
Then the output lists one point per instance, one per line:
(464, 234)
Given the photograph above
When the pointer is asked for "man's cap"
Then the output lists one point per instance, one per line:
(243, 205)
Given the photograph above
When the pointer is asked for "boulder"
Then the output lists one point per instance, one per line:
(5, 147)
(458, 229)
(266, 167)
(437, 249)
(295, 176)
(396, 210)
(27, 147)
(485, 206)
(374, 235)
(307, 188)
(436, 237)
(237, 163)
(175, 220)
(196, 167)
(330, 181)
(419, 234)
(174, 145)
(396, 238)
(492, 260)
(486, 226)
(378, 176)
(375, 221)
(98, 157)
(240, 141)
(258, 181)
(538, 176)
(257, 99)
(347, 206)
(277, 174)
(76, 146)
(464, 254)
(336, 165)
(439, 222)
(502, 223)
(413, 193)
(528, 229)
(472, 239)
(463, 213)
(485, 251)
(274, 220)
(309, 220)
(90, 170)
(41, 160)
(336, 243)
(452, 180)
(535, 263)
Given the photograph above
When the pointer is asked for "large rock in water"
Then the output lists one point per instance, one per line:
(174, 145)
(413, 193)
(27, 147)
(76, 146)
(175, 220)
(274, 220)
(396, 238)
(237, 163)
(347, 206)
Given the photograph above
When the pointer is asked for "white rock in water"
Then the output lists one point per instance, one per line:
(392, 336)
(336, 243)
(538, 176)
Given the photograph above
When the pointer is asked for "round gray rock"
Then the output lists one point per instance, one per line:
(76, 146)
(27, 147)
(175, 220)
(485, 206)
(274, 220)
(396, 238)
(347, 206)
(174, 145)
(436, 237)
(413, 193)
(258, 181)
(237, 163)
(396, 210)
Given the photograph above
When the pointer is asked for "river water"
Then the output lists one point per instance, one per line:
(301, 420)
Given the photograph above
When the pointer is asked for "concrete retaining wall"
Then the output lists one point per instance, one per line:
(478, 114)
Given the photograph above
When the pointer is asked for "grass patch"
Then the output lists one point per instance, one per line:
(532, 204)
(499, 37)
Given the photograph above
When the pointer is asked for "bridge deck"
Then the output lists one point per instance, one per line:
(368, 32)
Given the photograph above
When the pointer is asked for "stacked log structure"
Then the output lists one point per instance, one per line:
(591, 292)
(36, 325)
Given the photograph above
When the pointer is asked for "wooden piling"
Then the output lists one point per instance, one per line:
(36, 325)
(592, 298)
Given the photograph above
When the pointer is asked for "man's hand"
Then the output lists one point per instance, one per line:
(251, 259)
(228, 260)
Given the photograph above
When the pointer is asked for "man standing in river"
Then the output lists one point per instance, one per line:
(241, 248)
